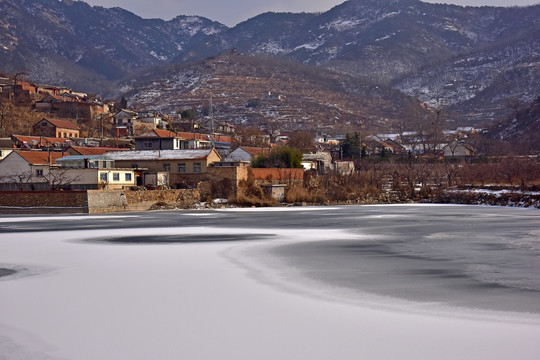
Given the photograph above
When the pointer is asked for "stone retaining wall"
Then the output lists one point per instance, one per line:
(148, 199)
(45, 199)
(94, 201)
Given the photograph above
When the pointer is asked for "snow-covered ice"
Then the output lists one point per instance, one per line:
(328, 283)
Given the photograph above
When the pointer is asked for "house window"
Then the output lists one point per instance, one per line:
(148, 144)
(43, 124)
(167, 167)
(116, 176)
(181, 168)
(197, 167)
(128, 176)
(39, 172)
(103, 177)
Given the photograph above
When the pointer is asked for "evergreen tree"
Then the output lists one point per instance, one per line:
(352, 146)
(281, 157)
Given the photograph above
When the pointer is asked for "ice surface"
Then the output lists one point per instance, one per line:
(281, 286)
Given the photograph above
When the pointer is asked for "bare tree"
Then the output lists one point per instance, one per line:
(59, 178)
(418, 122)
(6, 108)
(22, 180)
(428, 124)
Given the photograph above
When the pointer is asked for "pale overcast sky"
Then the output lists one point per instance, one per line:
(231, 12)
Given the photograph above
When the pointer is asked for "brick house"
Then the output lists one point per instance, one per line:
(56, 129)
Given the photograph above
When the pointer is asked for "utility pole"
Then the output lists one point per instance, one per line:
(211, 117)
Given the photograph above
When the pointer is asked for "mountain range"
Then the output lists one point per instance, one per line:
(469, 59)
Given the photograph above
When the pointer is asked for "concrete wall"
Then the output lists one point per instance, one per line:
(106, 201)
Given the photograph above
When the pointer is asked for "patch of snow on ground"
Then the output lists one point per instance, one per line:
(159, 57)
(341, 25)
(385, 37)
(311, 46)
(272, 47)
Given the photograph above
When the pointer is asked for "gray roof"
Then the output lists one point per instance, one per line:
(82, 157)
(238, 155)
(160, 155)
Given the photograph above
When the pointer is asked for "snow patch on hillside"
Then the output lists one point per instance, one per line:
(159, 57)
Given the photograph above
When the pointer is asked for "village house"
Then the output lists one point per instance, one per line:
(160, 140)
(26, 170)
(93, 172)
(42, 170)
(56, 129)
(123, 122)
(321, 161)
(46, 104)
(182, 166)
(457, 149)
(247, 153)
(169, 140)
(151, 119)
(224, 127)
(72, 106)
(221, 143)
(81, 150)
(377, 147)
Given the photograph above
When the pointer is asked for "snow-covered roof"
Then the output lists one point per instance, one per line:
(160, 155)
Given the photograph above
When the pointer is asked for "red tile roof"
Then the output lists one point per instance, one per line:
(94, 150)
(41, 140)
(64, 124)
(204, 137)
(39, 157)
(159, 134)
(256, 151)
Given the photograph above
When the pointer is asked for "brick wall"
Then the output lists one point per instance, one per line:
(278, 176)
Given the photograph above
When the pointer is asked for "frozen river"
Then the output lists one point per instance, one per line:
(373, 282)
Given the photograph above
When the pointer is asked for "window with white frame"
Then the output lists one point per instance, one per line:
(103, 176)
(181, 168)
(166, 167)
(116, 176)
(39, 172)
(196, 167)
